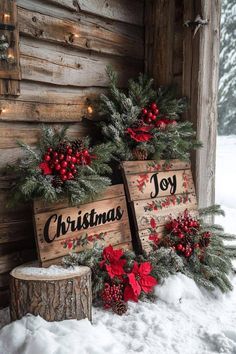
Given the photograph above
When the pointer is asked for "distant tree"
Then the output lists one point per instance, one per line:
(227, 84)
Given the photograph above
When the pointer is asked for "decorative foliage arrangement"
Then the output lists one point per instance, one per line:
(118, 276)
(144, 123)
(189, 246)
(200, 247)
(59, 167)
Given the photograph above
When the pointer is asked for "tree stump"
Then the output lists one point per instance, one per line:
(54, 293)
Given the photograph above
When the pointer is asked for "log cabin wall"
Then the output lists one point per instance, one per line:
(64, 48)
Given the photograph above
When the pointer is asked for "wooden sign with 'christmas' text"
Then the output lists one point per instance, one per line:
(156, 191)
(61, 229)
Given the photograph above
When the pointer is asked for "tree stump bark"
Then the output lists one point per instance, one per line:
(54, 293)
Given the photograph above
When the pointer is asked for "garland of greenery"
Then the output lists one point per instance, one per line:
(144, 123)
(59, 167)
(204, 258)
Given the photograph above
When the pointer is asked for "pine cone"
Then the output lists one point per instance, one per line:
(77, 144)
(119, 307)
(138, 123)
(62, 147)
(57, 182)
(140, 154)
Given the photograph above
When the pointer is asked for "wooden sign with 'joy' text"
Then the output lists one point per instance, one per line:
(61, 229)
(156, 191)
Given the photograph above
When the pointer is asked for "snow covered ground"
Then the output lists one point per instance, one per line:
(184, 320)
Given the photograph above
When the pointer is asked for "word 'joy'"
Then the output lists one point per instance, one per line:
(163, 184)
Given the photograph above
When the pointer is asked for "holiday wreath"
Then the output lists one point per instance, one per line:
(59, 167)
(143, 123)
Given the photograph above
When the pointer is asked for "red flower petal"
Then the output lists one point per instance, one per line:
(129, 294)
(153, 223)
(147, 283)
(45, 168)
(145, 268)
(134, 284)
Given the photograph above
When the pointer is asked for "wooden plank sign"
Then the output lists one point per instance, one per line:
(61, 229)
(157, 190)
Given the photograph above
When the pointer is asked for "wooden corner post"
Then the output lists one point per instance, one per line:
(178, 49)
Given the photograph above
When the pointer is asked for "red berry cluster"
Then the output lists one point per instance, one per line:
(111, 294)
(149, 114)
(64, 162)
(182, 232)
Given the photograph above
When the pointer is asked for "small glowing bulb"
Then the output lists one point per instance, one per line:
(75, 35)
(3, 110)
(90, 110)
(6, 16)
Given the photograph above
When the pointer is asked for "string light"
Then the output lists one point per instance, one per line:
(75, 35)
(90, 109)
(3, 110)
(6, 17)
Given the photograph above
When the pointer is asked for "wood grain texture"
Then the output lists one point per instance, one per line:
(126, 11)
(152, 202)
(84, 35)
(141, 185)
(61, 229)
(10, 73)
(200, 85)
(53, 298)
(11, 260)
(159, 40)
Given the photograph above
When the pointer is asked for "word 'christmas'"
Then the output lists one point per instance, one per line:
(85, 221)
(163, 184)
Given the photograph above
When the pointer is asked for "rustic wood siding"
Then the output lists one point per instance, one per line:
(174, 55)
(65, 46)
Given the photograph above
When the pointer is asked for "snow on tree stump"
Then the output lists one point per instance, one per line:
(54, 293)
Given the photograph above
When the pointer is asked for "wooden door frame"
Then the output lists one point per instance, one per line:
(200, 67)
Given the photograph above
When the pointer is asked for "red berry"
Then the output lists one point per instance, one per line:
(72, 166)
(156, 112)
(69, 151)
(74, 171)
(148, 120)
(64, 164)
(144, 111)
(179, 247)
(56, 161)
(153, 106)
(55, 154)
(69, 175)
(180, 235)
(154, 117)
(47, 158)
(85, 152)
(149, 115)
(61, 157)
(62, 171)
(64, 177)
(68, 158)
(57, 167)
(73, 159)
(49, 149)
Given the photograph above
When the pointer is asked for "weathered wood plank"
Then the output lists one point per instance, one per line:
(62, 228)
(4, 298)
(160, 209)
(132, 167)
(159, 184)
(200, 85)
(62, 66)
(159, 23)
(126, 11)
(16, 231)
(11, 133)
(10, 73)
(4, 281)
(115, 191)
(82, 35)
(9, 261)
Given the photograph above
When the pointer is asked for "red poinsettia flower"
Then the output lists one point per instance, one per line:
(45, 168)
(113, 262)
(139, 280)
(140, 134)
(153, 223)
